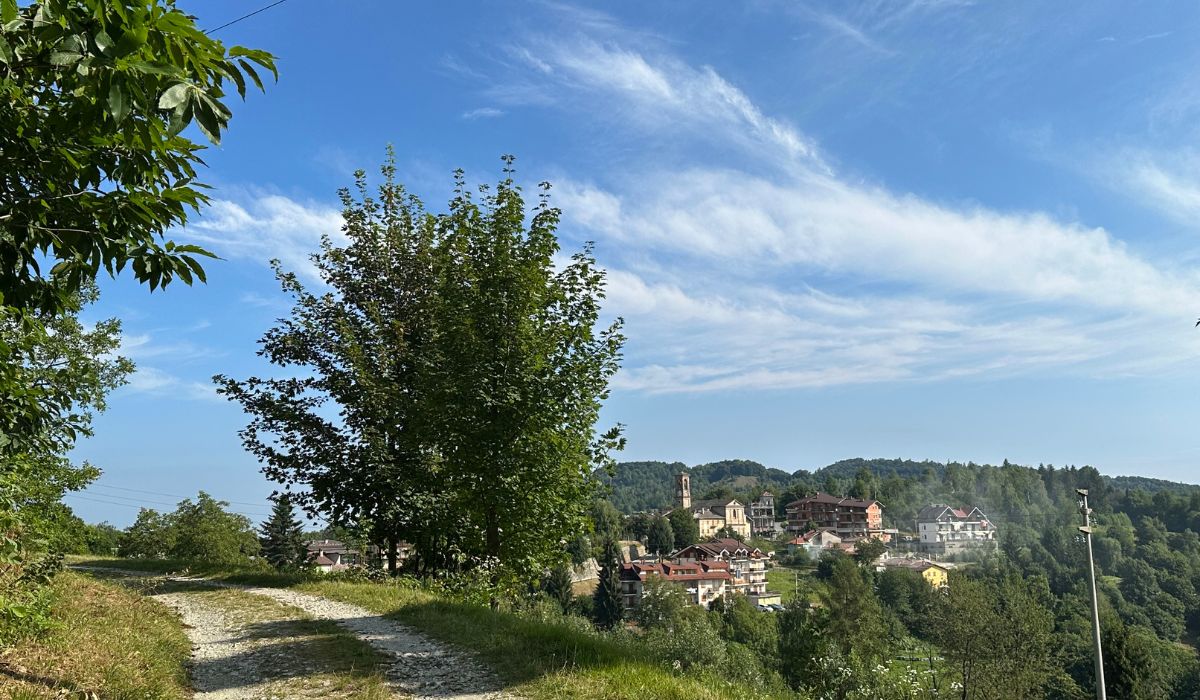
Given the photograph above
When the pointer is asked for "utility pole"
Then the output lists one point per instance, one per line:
(1087, 533)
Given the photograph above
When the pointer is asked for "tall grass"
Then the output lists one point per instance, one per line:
(103, 639)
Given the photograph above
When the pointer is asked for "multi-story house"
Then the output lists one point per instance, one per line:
(747, 565)
(849, 518)
(703, 581)
(946, 530)
(762, 514)
(712, 515)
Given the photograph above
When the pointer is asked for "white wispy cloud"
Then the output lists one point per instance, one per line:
(483, 113)
(152, 381)
(264, 226)
(765, 276)
(659, 92)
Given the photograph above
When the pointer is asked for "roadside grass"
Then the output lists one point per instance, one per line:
(561, 657)
(104, 639)
(546, 658)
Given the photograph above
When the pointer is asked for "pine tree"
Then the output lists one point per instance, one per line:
(558, 586)
(609, 605)
(282, 535)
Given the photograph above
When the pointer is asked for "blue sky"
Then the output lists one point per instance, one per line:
(925, 229)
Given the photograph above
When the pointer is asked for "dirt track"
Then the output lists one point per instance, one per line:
(241, 650)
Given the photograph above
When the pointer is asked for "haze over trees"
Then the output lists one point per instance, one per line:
(466, 370)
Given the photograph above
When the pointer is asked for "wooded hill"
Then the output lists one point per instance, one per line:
(641, 486)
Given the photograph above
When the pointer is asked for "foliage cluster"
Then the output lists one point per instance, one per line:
(465, 368)
(200, 531)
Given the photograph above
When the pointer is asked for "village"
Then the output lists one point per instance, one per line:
(726, 561)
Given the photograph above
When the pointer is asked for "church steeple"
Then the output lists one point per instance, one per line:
(683, 490)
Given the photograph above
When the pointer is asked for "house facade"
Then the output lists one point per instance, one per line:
(762, 514)
(703, 581)
(814, 542)
(331, 555)
(712, 515)
(747, 566)
(848, 518)
(946, 530)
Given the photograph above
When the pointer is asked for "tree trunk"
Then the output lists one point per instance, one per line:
(493, 550)
(391, 555)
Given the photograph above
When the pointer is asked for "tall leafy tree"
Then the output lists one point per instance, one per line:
(363, 342)
(465, 371)
(95, 167)
(203, 531)
(519, 373)
(997, 634)
(661, 539)
(282, 535)
(684, 527)
(58, 373)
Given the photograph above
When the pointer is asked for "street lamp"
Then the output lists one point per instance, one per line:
(1087, 533)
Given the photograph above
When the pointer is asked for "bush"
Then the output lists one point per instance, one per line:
(693, 641)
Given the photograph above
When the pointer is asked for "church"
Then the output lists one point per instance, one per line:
(711, 515)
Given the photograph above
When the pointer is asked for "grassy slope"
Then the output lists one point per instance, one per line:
(104, 638)
(540, 659)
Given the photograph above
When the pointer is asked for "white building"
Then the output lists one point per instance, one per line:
(946, 530)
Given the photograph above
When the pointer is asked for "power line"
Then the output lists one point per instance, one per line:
(246, 16)
(171, 495)
(252, 516)
(145, 501)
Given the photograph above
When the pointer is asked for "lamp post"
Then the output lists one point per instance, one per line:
(1087, 533)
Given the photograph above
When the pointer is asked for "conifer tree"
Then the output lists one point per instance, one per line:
(609, 605)
(558, 586)
(282, 535)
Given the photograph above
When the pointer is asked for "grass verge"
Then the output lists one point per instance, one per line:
(547, 658)
(104, 639)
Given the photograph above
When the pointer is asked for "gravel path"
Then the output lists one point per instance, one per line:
(423, 668)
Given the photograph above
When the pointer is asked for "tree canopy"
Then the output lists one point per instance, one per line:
(96, 168)
(465, 368)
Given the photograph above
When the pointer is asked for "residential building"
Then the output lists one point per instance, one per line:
(747, 565)
(762, 514)
(331, 555)
(712, 515)
(849, 518)
(703, 581)
(814, 542)
(946, 530)
(935, 574)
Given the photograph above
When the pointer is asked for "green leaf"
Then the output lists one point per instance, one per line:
(5, 51)
(8, 10)
(154, 68)
(236, 75)
(117, 102)
(64, 58)
(207, 120)
(174, 96)
(249, 69)
(104, 42)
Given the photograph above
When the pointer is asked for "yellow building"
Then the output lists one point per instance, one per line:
(934, 574)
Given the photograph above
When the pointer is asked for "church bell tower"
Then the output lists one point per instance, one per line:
(683, 490)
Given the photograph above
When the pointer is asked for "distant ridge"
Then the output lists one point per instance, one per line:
(649, 485)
